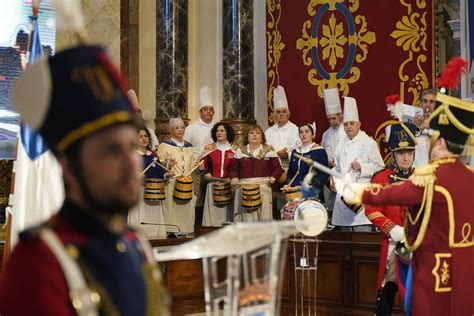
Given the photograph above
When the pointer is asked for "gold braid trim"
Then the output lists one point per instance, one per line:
(428, 200)
(265, 150)
(424, 175)
(157, 297)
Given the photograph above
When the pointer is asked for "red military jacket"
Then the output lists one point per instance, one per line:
(385, 218)
(439, 226)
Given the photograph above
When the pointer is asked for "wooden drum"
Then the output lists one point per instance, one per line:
(183, 189)
(293, 193)
(221, 193)
(251, 198)
(154, 189)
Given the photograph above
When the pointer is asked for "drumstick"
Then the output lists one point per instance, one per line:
(320, 167)
(192, 170)
(294, 178)
(151, 164)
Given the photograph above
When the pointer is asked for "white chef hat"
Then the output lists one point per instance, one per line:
(332, 103)
(351, 114)
(205, 97)
(279, 98)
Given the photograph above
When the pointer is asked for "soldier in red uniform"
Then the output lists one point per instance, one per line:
(84, 260)
(439, 224)
(389, 219)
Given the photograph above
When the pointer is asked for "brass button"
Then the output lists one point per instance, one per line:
(121, 247)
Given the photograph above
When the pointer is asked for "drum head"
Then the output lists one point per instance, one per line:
(311, 218)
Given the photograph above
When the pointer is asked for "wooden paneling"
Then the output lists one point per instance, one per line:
(346, 277)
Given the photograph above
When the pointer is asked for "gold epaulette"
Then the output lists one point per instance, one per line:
(424, 175)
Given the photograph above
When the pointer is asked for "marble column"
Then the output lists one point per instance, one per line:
(238, 63)
(171, 61)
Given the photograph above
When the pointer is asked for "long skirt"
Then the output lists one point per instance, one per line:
(179, 213)
(264, 212)
(216, 215)
(149, 212)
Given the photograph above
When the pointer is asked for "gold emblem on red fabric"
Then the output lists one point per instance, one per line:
(442, 272)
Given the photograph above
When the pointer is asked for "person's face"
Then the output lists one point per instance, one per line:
(143, 140)
(207, 113)
(428, 103)
(177, 131)
(404, 158)
(282, 116)
(111, 167)
(306, 135)
(221, 134)
(352, 129)
(437, 148)
(334, 119)
(255, 137)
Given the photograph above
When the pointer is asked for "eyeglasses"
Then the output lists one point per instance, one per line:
(428, 101)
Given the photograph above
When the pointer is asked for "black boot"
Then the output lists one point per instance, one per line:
(385, 299)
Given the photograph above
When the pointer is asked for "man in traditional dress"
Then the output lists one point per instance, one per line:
(389, 219)
(83, 260)
(440, 218)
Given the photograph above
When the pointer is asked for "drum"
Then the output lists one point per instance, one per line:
(221, 193)
(154, 189)
(293, 193)
(311, 217)
(251, 198)
(183, 189)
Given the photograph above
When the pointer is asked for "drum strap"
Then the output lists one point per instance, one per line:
(83, 299)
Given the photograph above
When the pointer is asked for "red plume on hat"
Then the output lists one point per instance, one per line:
(449, 77)
(392, 99)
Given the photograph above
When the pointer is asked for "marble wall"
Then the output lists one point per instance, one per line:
(102, 25)
(238, 63)
(171, 58)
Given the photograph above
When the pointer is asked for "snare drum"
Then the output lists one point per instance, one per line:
(311, 217)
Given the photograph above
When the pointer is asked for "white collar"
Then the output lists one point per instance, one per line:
(288, 124)
(259, 148)
(201, 122)
(223, 146)
(177, 142)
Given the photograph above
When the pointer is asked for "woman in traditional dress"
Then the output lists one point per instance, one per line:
(218, 205)
(179, 205)
(298, 169)
(149, 209)
(255, 163)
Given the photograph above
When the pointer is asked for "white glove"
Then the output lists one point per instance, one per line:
(397, 233)
(339, 184)
(350, 191)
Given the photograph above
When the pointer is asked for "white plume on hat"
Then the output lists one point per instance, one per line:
(351, 114)
(332, 102)
(205, 97)
(279, 98)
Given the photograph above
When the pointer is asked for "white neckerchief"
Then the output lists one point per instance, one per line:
(259, 148)
(305, 148)
(177, 142)
(223, 146)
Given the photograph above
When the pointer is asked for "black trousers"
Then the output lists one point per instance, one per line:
(385, 299)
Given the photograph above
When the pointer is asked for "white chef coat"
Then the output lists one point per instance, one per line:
(198, 134)
(332, 137)
(363, 149)
(281, 137)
